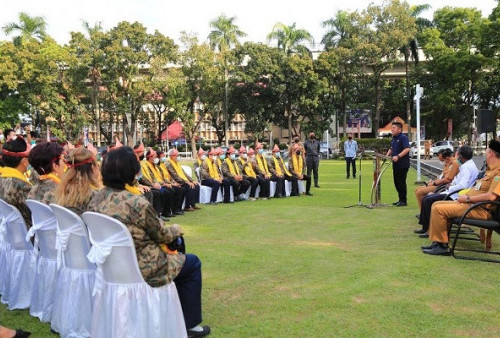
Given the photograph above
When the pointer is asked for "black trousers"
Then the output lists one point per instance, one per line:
(295, 185)
(244, 185)
(348, 162)
(228, 183)
(280, 186)
(307, 178)
(264, 186)
(192, 195)
(254, 183)
(425, 211)
(312, 166)
(188, 284)
(177, 197)
(399, 177)
(215, 185)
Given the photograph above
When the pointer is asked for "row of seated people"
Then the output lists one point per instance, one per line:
(221, 170)
(460, 185)
(74, 180)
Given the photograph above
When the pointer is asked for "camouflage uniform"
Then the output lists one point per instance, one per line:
(157, 267)
(42, 191)
(15, 192)
(79, 210)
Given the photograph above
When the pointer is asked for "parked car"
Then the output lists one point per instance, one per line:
(444, 145)
(324, 150)
(413, 150)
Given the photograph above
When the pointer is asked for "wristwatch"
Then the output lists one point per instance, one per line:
(468, 199)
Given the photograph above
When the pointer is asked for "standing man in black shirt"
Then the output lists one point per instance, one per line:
(311, 148)
(400, 148)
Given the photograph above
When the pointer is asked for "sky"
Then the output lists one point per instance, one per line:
(256, 17)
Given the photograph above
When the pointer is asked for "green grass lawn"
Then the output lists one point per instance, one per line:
(308, 267)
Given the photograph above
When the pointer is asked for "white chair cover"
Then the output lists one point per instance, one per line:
(272, 188)
(20, 260)
(288, 188)
(73, 302)
(302, 186)
(124, 304)
(4, 248)
(187, 170)
(44, 230)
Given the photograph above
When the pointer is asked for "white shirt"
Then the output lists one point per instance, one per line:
(467, 175)
(350, 148)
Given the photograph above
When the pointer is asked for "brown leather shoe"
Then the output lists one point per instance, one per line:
(196, 208)
(189, 209)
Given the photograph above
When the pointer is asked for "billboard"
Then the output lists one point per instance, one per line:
(358, 121)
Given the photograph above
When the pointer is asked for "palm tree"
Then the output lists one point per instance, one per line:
(340, 29)
(29, 28)
(290, 39)
(224, 35)
(411, 49)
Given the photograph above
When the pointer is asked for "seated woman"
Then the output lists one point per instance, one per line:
(14, 186)
(80, 183)
(46, 160)
(119, 169)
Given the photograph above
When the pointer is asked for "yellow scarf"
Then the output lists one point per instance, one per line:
(219, 162)
(14, 173)
(156, 173)
(247, 167)
(133, 189)
(298, 164)
(212, 170)
(51, 176)
(178, 170)
(164, 172)
(284, 167)
(277, 167)
(262, 163)
(233, 169)
(199, 161)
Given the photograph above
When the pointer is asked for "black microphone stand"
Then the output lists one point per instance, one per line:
(359, 204)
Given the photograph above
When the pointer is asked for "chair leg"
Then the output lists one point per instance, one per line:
(488, 240)
(482, 235)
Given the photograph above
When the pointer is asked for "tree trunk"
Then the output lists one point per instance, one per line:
(344, 108)
(288, 111)
(226, 115)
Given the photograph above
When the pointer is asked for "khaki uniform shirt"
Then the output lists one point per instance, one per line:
(148, 232)
(15, 192)
(175, 176)
(489, 183)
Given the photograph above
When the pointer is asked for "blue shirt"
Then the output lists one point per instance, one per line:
(350, 148)
(398, 144)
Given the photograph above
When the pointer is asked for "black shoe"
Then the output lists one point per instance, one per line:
(212, 203)
(164, 219)
(308, 193)
(401, 204)
(417, 216)
(180, 212)
(23, 334)
(316, 186)
(440, 249)
(169, 214)
(347, 176)
(425, 235)
(278, 196)
(395, 203)
(420, 231)
(427, 247)
(353, 176)
(205, 332)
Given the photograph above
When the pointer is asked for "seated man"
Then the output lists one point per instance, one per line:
(297, 167)
(165, 176)
(248, 173)
(209, 175)
(486, 189)
(288, 176)
(190, 187)
(261, 169)
(14, 186)
(278, 175)
(449, 172)
(231, 172)
(467, 174)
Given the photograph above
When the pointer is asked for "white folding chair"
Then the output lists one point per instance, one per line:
(272, 188)
(124, 304)
(288, 188)
(4, 248)
(73, 302)
(302, 187)
(205, 192)
(20, 259)
(44, 232)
